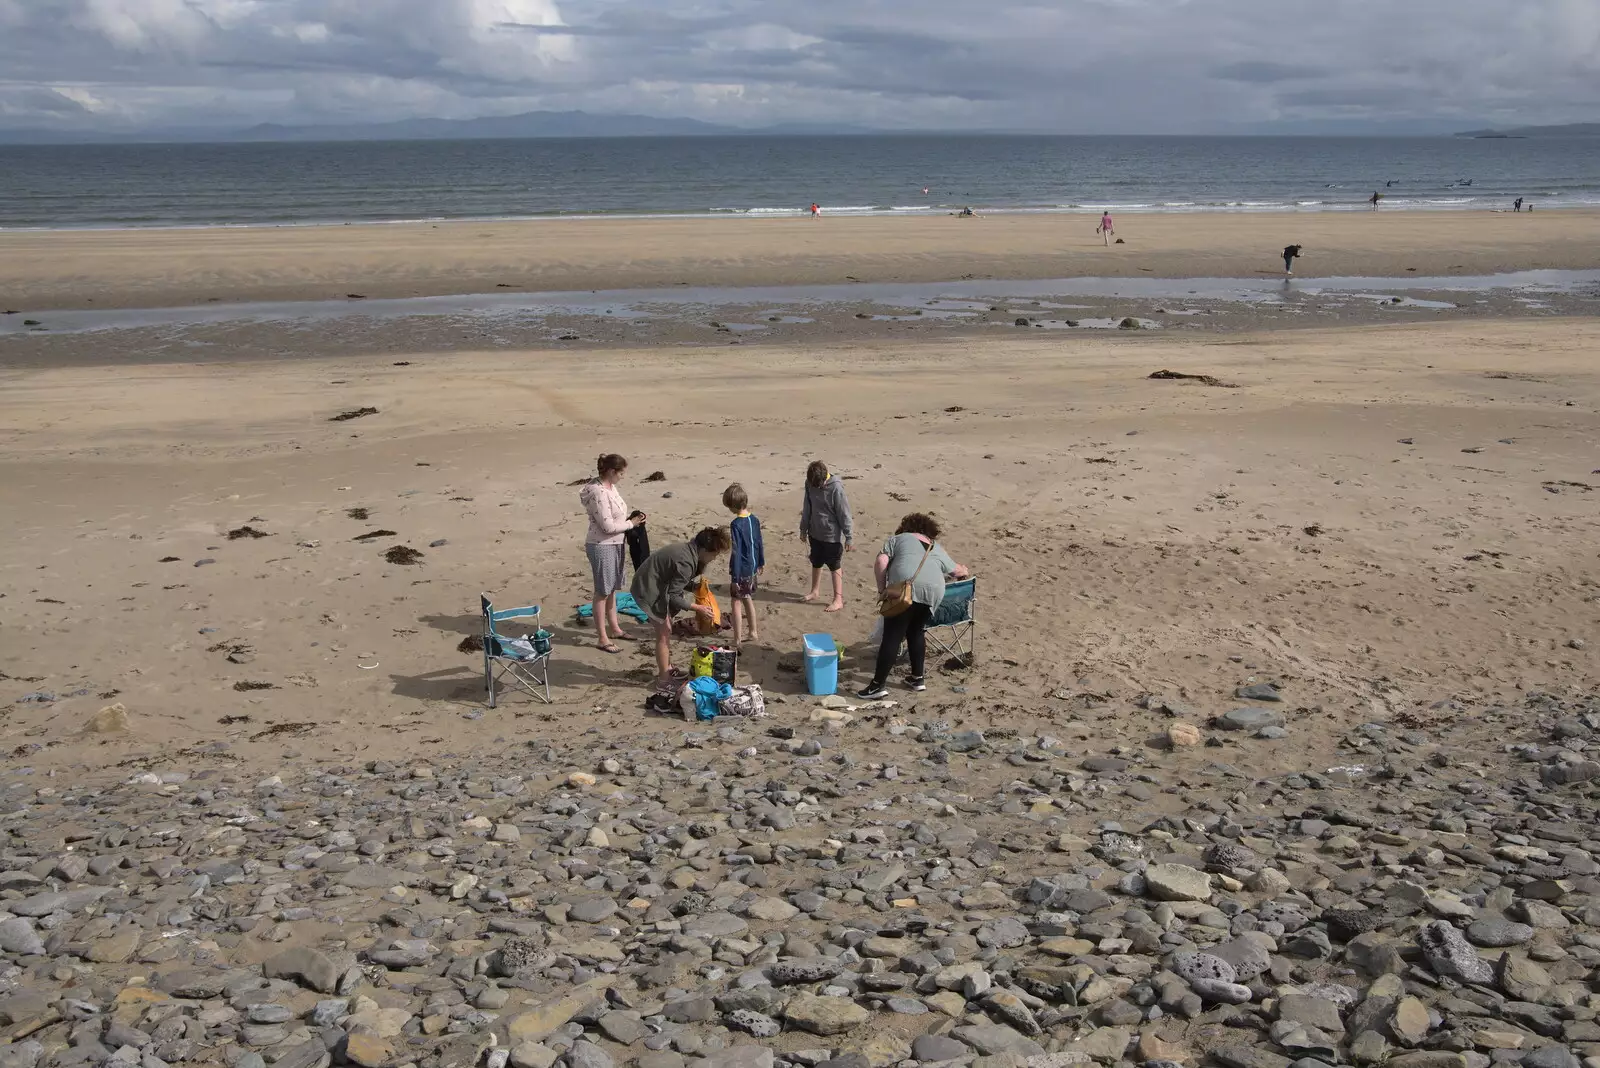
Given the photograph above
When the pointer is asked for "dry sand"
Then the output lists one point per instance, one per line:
(136, 268)
(1130, 535)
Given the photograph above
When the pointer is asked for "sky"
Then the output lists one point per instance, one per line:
(1071, 66)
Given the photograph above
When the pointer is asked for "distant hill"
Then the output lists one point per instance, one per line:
(531, 124)
(1571, 129)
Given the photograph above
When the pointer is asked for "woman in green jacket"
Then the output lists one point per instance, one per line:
(665, 583)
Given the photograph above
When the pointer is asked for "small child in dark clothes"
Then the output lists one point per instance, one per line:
(745, 563)
(1289, 254)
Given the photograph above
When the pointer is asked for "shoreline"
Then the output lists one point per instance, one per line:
(47, 270)
(843, 212)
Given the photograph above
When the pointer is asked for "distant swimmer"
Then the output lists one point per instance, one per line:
(1290, 252)
(1105, 229)
(1389, 183)
(924, 190)
(1516, 205)
(816, 211)
(1374, 198)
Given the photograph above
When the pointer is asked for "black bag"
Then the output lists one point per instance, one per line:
(638, 544)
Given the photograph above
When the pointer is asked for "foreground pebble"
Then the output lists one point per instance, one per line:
(744, 897)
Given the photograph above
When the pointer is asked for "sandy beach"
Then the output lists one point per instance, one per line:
(1384, 516)
(139, 268)
(1310, 639)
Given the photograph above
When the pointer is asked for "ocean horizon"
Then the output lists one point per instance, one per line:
(770, 176)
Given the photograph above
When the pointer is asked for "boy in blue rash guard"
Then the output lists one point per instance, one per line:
(745, 563)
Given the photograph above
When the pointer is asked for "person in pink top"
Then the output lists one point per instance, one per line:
(605, 545)
(1105, 229)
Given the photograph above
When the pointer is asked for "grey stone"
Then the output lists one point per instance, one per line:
(804, 971)
(591, 909)
(907, 1006)
(193, 983)
(1192, 966)
(1521, 978)
(1249, 719)
(18, 936)
(377, 877)
(1552, 1056)
(1008, 1008)
(312, 1054)
(21, 1055)
(65, 901)
(268, 1013)
(1373, 954)
(623, 1028)
(995, 1039)
(1248, 958)
(824, 1015)
(1497, 932)
(758, 1024)
(1451, 956)
(309, 967)
(1219, 991)
(1005, 933)
(534, 1055)
(1320, 1013)
(739, 1055)
(714, 925)
(964, 741)
(933, 1048)
(587, 1055)
(1177, 882)
(1248, 1057)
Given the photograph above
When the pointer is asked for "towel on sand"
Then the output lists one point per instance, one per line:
(625, 606)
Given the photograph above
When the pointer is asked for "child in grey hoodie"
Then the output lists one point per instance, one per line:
(825, 524)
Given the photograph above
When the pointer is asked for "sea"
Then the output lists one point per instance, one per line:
(270, 184)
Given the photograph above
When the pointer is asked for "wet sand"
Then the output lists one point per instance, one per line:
(140, 268)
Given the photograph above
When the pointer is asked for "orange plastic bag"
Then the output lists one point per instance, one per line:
(703, 596)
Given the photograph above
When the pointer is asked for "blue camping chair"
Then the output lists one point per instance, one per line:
(953, 630)
(524, 663)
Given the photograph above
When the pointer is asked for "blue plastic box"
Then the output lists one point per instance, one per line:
(822, 665)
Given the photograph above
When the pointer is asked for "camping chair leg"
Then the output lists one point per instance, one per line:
(488, 677)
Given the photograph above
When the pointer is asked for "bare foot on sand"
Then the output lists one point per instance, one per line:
(834, 607)
(808, 598)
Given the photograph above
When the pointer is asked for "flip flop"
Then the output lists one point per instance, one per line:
(608, 649)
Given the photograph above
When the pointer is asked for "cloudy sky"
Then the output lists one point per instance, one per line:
(1153, 66)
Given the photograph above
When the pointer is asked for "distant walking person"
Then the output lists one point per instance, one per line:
(816, 210)
(1374, 198)
(1290, 252)
(1105, 229)
(1516, 205)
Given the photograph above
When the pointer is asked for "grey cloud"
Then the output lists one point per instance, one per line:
(1087, 65)
(1264, 72)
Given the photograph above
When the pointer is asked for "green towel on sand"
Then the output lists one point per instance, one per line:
(626, 605)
